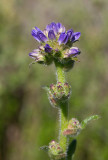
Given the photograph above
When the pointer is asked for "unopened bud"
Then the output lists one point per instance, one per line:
(73, 129)
(37, 55)
(55, 151)
(59, 92)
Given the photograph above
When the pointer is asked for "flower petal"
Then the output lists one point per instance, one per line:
(60, 28)
(48, 49)
(34, 34)
(74, 51)
(42, 37)
(75, 36)
(70, 33)
(63, 38)
(34, 53)
(51, 35)
(37, 29)
(52, 26)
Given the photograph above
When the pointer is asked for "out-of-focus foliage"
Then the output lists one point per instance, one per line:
(27, 120)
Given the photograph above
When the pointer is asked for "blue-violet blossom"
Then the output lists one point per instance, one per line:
(55, 42)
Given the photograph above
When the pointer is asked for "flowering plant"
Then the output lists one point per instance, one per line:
(56, 45)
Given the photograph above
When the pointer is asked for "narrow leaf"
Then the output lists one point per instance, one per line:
(87, 120)
(71, 149)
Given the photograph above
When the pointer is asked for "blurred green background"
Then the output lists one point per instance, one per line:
(27, 120)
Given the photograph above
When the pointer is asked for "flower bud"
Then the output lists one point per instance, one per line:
(55, 151)
(59, 92)
(73, 129)
(37, 55)
(72, 52)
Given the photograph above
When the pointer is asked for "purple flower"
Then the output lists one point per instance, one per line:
(52, 26)
(51, 35)
(63, 38)
(60, 28)
(75, 36)
(70, 33)
(74, 51)
(39, 35)
(48, 49)
(35, 54)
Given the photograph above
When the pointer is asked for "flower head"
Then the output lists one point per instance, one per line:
(73, 129)
(56, 43)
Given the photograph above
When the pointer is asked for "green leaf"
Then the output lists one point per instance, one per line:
(87, 120)
(71, 149)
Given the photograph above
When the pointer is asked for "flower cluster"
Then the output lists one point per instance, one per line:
(73, 129)
(55, 44)
(59, 93)
(55, 151)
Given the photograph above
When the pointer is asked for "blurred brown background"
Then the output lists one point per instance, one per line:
(27, 120)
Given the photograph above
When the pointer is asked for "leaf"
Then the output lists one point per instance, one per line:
(87, 120)
(71, 149)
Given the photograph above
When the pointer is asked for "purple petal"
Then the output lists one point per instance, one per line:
(48, 27)
(37, 29)
(38, 35)
(70, 33)
(60, 28)
(75, 36)
(48, 49)
(42, 37)
(74, 51)
(34, 34)
(52, 26)
(66, 39)
(34, 53)
(51, 35)
(63, 38)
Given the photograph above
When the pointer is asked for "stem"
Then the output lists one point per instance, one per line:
(60, 73)
(63, 111)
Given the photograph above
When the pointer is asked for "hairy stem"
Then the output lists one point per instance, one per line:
(63, 111)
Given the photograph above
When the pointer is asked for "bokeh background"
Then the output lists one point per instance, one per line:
(27, 120)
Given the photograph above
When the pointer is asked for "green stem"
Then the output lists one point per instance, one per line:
(60, 73)
(63, 111)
